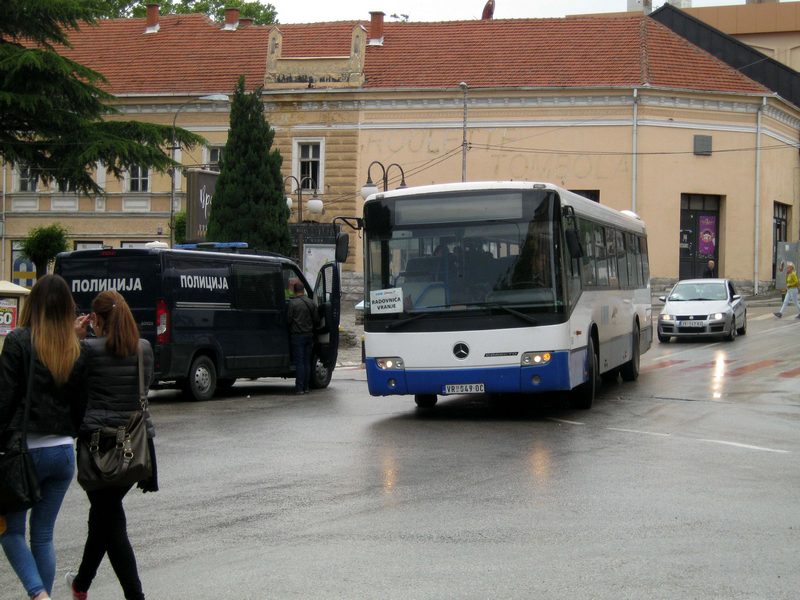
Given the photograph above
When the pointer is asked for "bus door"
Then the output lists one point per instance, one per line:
(327, 296)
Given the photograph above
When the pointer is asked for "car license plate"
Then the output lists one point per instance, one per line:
(692, 324)
(464, 388)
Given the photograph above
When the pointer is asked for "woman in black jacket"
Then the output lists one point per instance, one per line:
(113, 395)
(56, 409)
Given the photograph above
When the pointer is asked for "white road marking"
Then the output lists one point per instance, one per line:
(638, 431)
(745, 446)
(565, 421)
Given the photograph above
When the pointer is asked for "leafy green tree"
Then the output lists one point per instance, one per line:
(249, 204)
(262, 14)
(52, 109)
(42, 245)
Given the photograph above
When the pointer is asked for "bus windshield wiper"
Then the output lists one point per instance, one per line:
(403, 322)
(508, 309)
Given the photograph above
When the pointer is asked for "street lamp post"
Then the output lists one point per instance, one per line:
(370, 188)
(315, 205)
(463, 85)
(174, 155)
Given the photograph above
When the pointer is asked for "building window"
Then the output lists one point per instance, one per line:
(593, 195)
(308, 163)
(27, 181)
(87, 245)
(214, 157)
(139, 179)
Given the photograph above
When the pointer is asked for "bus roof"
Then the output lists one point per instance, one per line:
(581, 205)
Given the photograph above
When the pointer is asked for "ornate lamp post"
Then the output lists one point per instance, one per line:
(370, 188)
(175, 147)
(315, 205)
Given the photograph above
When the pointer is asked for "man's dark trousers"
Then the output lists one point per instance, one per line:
(302, 345)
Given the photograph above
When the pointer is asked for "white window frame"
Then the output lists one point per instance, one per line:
(296, 143)
(214, 165)
(19, 178)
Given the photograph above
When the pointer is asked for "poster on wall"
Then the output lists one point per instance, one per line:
(200, 186)
(8, 315)
(707, 236)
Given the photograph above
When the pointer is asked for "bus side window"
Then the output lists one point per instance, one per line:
(632, 254)
(611, 253)
(588, 273)
(600, 255)
(622, 261)
(645, 263)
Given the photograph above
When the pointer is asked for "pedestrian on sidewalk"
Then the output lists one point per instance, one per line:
(113, 396)
(791, 291)
(47, 327)
(302, 315)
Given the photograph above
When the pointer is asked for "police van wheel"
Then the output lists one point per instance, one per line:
(202, 381)
(320, 375)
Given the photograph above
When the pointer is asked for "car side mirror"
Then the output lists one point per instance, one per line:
(737, 296)
(662, 298)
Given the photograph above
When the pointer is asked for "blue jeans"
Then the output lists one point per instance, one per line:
(301, 356)
(36, 565)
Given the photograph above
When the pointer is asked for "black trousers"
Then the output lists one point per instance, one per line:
(108, 534)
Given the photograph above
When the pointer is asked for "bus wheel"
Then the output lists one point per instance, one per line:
(630, 370)
(583, 395)
(320, 374)
(426, 400)
(202, 380)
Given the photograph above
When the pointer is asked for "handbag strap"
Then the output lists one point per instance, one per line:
(142, 389)
(27, 402)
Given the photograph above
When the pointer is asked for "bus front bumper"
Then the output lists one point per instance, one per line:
(553, 376)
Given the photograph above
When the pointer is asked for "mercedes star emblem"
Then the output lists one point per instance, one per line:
(461, 350)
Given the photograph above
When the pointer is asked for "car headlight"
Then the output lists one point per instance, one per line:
(665, 317)
(391, 362)
(535, 359)
(718, 316)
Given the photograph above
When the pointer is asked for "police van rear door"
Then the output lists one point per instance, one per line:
(134, 273)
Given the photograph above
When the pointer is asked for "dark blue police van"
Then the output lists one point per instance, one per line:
(211, 317)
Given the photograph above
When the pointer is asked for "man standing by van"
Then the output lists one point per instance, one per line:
(302, 313)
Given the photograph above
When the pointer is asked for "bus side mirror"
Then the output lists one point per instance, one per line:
(573, 243)
(342, 247)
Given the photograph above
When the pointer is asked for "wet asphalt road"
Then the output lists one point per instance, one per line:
(684, 484)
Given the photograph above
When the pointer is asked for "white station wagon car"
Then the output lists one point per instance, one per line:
(702, 307)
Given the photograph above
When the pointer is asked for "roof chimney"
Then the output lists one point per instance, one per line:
(151, 25)
(231, 19)
(245, 22)
(488, 11)
(376, 28)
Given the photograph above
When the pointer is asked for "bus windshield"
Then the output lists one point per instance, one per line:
(464, 252)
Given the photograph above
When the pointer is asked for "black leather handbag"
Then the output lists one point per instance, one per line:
(19, 485)
(117, 456)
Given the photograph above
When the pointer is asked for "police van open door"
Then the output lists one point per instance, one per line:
(328, 300)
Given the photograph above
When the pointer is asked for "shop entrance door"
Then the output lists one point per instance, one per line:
(699, 235)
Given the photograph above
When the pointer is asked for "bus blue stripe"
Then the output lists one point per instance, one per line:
(510, 379)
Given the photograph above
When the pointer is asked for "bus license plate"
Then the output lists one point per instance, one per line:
(464, 388)
(691, 324)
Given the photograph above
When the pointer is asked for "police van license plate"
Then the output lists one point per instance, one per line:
(464, 388)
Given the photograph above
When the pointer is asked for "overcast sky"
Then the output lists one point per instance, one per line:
(314, 11)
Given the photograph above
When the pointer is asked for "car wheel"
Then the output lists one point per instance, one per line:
(583, 396)
(630, 370)
(664, 339)
(732, 333)
(743, 329)
(426, 400)
(202, 380)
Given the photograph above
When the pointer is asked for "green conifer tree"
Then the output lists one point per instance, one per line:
(249, 204)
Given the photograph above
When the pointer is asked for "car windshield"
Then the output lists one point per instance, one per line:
(698, 291)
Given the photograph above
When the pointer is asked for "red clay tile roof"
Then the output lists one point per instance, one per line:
(190, 54)
(574, 52)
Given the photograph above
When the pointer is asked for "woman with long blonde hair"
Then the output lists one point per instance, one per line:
(47, 327)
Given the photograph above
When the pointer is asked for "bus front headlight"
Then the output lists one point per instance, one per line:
(535, 359)
(390, 363)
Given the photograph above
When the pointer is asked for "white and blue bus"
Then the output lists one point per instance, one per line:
(501, 288)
